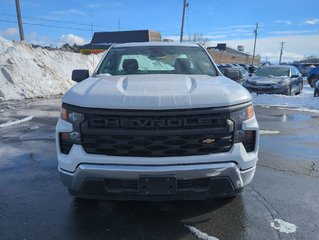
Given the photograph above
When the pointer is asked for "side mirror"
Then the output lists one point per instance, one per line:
(79, 75)
(232, 74)
(294, 76)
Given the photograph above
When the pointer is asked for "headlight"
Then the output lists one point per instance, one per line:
(240, 135)
(72, 117)
(67, 139)
(242, 115)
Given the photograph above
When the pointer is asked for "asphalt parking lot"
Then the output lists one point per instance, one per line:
(280, 203)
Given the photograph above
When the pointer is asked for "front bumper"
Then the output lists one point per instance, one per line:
(121, 182)
(267, 90)
(102, 176)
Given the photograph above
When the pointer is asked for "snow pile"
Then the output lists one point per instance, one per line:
(304, 102)
(27, 72)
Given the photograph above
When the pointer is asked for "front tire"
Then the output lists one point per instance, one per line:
(300, 89)
(288, 91)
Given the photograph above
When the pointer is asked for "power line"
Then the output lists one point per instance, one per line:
(72, 23)
(45, 25)
(57, 21)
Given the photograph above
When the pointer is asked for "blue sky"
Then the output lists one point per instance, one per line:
(294, 22)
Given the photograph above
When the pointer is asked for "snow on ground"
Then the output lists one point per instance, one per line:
(27, 72)
(303, 102)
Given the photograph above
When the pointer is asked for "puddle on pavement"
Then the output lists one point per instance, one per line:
(287, 117)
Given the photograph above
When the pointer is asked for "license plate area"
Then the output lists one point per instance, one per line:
(157, 185)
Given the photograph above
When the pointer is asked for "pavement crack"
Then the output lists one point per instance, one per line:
(269, 207)
(273, 212)
(311, 170)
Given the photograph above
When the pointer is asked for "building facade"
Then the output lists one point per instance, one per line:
(223, 54)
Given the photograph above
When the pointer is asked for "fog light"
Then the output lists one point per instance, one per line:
(250, 140)
(67, 139)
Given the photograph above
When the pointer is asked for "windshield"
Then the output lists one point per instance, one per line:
(276, 72)
(157, 60)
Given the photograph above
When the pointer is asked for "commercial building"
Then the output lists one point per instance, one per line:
(223, 54)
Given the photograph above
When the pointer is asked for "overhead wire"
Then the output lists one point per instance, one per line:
(99, 27)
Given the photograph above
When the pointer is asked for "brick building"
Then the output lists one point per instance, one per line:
(223, 54)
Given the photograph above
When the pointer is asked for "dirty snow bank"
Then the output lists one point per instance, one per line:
(27, 72)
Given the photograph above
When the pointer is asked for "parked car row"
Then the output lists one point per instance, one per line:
(279, 79)
(316, 92)
(305, 68)
(234, 72)
(313, 76)
(274, 79)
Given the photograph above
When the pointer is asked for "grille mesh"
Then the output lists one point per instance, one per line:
(156, 136)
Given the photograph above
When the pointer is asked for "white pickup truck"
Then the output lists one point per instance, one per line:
(156, 121)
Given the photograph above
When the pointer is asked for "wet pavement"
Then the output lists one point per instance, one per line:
(282, 202)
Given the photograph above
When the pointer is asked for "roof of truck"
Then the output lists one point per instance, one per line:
(146, 44)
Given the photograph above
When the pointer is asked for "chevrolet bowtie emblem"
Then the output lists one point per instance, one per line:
(208, 141)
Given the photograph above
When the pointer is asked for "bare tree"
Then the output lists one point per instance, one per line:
(198, 38)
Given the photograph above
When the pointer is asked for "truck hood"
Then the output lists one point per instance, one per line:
(156, 91)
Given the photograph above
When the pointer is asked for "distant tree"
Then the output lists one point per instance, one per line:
(76, 48)
(198, 38)
(68, 47)
(65, 46)
(309, 59)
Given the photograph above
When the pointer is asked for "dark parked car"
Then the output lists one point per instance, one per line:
(313, 76)
(316, 92)
(244, 66)
(238, 74)
(280, 79)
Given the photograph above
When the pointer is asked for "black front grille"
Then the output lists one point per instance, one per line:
(157, 134)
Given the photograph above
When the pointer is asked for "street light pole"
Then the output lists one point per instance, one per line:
(19, 20)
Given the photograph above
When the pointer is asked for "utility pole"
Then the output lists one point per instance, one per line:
(281, 48)
(185, 5)
(19, 20)
(256, 32)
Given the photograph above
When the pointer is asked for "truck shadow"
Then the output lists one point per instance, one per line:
(94, 219)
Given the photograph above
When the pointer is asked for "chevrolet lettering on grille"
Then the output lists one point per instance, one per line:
(151, 123)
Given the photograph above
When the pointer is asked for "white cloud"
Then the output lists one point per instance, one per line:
(283, 21)
(295, 32)
(69, 12)
(312, 21)
(72, 39)
(102, 5)
(296, 46)
(36, 39)
(9, 32)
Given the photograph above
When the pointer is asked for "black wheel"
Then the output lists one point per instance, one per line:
(288, 91)
(300, 88)
(316, 94)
